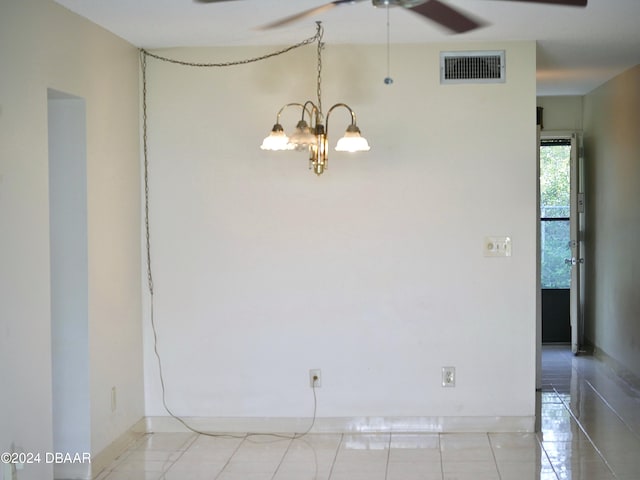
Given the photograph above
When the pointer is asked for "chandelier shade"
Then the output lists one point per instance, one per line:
(352, 141)
(302, 138)
(276, 140)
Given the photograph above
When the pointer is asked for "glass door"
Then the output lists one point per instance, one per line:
(555, 239)
(575, 260)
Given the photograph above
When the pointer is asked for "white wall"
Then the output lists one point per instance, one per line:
(44, 46)
(612, 148)
(373, 272)
(561, 113)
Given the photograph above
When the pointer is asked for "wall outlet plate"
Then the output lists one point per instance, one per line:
(495, 246)
(114, 399)
(448, 376)
(315, 378)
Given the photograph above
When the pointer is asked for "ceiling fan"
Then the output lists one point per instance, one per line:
(437, 11)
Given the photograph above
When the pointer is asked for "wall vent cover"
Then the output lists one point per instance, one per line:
(472, 67)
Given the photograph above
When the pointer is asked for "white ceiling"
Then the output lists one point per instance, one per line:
(578, 48)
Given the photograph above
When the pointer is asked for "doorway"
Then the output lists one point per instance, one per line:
(555, 239)
(69, 281)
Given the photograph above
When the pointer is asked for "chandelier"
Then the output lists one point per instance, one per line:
(312, 129)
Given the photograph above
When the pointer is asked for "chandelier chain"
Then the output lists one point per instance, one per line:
(143, 63)
(319, 34)
(245, 61)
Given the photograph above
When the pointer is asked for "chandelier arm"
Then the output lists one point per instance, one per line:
(313, 109)
(296, 104)
(353, 115)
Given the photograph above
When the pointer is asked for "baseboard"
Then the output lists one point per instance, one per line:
(630, 378)
(345, 424)
(103, 459)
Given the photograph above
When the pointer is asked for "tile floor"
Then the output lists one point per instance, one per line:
(590, 430)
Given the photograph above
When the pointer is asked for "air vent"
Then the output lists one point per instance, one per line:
(472, 67)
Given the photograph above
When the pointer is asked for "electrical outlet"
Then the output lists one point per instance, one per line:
(448, 376)
(315, 378)
(114, 399)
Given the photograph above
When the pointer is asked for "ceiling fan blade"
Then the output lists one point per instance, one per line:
(306, 13)
(568, 3)
(211, 1)
(448, 17)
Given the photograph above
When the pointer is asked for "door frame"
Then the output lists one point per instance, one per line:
(577, 221)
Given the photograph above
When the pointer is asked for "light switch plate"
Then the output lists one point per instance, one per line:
(497, 246)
